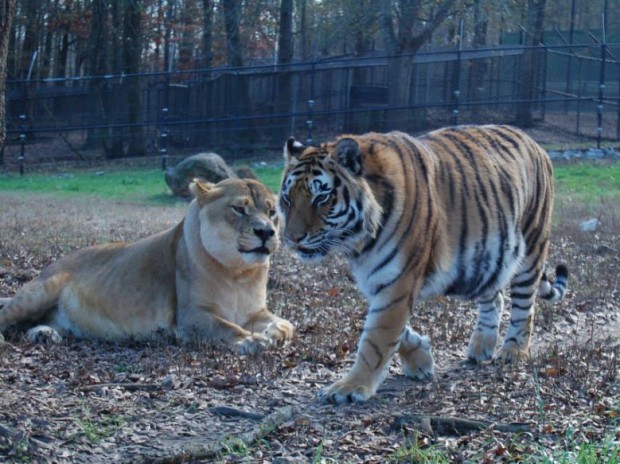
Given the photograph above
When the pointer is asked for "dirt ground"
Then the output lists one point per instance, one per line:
(84, 401)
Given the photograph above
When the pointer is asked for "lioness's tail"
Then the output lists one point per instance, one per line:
(557, 290)
(32, 301)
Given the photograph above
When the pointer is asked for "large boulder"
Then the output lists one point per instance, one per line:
(208, 166)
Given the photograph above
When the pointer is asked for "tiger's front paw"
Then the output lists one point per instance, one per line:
(416, 356)
(481, 346)
(279, 332)
(511, 353)
(251, 344)
(346, 391)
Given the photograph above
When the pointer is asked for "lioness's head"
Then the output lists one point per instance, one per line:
(238, 221)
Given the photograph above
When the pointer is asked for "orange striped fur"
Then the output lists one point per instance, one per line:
(462, 211)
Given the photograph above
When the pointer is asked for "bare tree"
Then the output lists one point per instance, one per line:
(232, 21)
(478, 67)
(132, 50)
(207, 32)
(240, 101)
(404, 36)
(285, 56)
(7, 13)
(532, 61)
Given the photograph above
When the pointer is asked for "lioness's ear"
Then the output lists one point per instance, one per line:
(349, 155)
(292, 149)
(200, 188)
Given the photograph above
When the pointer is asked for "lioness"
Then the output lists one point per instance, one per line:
(205, 277)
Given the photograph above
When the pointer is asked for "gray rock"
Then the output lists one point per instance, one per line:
(595, 153)
(207, 166)
(591, 225)
(245, 172)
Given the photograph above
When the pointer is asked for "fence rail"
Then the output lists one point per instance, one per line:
(236, 111)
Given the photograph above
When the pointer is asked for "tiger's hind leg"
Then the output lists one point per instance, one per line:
(415, 355)
(484, 337)
(523, 288)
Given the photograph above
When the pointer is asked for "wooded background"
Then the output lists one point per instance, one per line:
(133, 78)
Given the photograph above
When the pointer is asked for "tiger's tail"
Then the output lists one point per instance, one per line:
(554, 291)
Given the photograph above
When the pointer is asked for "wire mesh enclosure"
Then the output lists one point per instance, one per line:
(239, 111)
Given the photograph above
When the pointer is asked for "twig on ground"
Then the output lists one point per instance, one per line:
(454, 425)
(230, 411)
(197, 451)
(125, 386)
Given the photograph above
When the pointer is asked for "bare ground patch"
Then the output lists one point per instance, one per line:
(83, 401)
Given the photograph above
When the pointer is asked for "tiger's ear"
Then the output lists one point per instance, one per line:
(349, 155)
(200, 188)
(292, 149)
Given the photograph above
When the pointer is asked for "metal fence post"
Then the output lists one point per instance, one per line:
(22, 143)
(163, 139)
(601, 88)
(309, 122)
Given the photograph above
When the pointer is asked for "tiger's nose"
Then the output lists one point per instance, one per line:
(264, 233)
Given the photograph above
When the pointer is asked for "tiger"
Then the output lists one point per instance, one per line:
(461, 211)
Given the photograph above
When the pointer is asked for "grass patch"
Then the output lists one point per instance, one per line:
(146, 185)
(582, 182)
(135, 185)
(588, 182)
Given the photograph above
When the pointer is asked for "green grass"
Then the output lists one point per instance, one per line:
(584, 182)
(136, 185)
(588, 183)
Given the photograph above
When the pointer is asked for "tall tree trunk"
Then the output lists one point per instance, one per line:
(232, 22)
(478, 66)
(285, 76)
(132, 50)
(207, 32)
(98, 65)
(303, 30)
(239, 91)
(402, 43)
(532, 62)
(7, 13)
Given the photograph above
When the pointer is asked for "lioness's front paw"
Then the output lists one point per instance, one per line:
(344, 391)
(43, 334)
(279, 332)
(251, 344)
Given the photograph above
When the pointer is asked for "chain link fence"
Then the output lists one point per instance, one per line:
(247, 111)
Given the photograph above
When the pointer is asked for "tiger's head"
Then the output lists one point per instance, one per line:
(326, 203)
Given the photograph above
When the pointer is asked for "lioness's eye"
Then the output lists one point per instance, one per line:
(240, 210)
(272, 213)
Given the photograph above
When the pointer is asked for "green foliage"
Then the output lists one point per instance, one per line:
(416, 451)
(588, 183)
(270, 176)
(132, 184)
(575, 450)
(135, 185)
(96, 430)
(580, 182)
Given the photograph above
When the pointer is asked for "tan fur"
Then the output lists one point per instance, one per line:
(198, 278)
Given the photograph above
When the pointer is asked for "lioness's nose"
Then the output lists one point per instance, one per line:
(264, 234)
